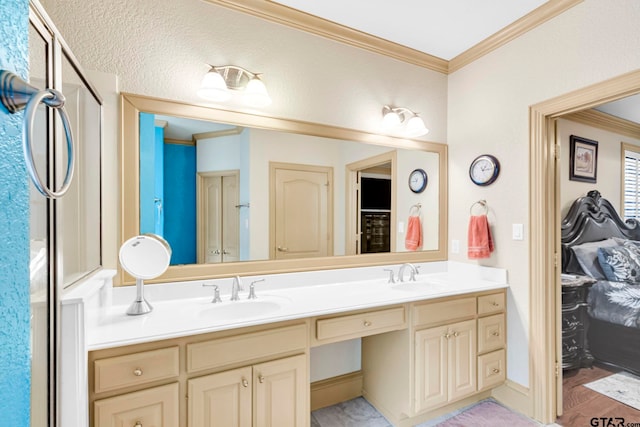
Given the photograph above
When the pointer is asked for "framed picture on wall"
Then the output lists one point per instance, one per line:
(583, 161)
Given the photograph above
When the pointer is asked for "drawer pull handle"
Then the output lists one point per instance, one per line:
(137, 373)
(495, 334)
(260, 379)
(496, 370)
(367, 323)
(245, 383)
(137, 424)
(495, 304)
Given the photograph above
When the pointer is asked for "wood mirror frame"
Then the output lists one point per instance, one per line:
(132, 105)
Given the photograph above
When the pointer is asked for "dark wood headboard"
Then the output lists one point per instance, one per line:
(592, 218)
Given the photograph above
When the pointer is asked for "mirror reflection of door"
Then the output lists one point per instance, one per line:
(218, 217)
(301, 211)
(375, 209)
(370, 197)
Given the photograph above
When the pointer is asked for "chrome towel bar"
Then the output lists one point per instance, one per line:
(17, 95)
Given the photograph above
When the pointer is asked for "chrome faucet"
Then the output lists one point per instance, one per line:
(413, 270)
(237, 286)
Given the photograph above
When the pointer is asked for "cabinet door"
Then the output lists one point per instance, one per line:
(281, 393)
(220, 400)
(157, 406)
(431, 367)
(462, 359)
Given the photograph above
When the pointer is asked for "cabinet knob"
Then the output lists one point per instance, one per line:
(245, 383)
(367, 323)
(447, 335)
(495, 304)
(495, 333)
(496, 370)
(137, 373)
(260, 379)
(137, 424)
(455, 334)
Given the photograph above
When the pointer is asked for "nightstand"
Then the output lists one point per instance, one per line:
(575, 349)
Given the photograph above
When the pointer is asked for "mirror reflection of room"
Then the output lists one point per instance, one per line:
(223, 193)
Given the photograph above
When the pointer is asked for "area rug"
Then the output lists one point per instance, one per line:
(488, 414)
(623, 387)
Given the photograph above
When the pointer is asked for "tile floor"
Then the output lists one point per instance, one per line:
(359, 413)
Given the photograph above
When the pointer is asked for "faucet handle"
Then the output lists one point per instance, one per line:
(252, 289)
(216, 293)
(414, 273)
(391, 278)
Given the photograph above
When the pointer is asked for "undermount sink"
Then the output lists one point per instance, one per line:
(242, 309)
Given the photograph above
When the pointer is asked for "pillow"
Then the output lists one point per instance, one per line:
(621, 264)
(587, 255)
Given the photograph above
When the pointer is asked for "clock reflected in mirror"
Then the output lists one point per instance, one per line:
(484, 170)
(418, 180)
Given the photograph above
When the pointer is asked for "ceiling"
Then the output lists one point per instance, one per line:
(442, 28)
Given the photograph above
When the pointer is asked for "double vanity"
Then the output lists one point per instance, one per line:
(425, 344)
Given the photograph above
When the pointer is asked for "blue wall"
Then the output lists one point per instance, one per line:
(180, 202)
(14, 230)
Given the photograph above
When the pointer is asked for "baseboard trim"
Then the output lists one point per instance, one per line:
(335, 390)
(514, 396)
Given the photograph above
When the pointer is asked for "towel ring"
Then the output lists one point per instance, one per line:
(482, 203)
(417, 206)
(16, 95)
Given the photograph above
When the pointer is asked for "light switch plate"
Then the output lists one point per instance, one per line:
(455, 246)
(518, 231)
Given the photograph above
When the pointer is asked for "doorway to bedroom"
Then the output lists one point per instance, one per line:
(552, 125)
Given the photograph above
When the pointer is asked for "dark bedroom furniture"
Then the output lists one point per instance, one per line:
(592, 224)
(575, 351)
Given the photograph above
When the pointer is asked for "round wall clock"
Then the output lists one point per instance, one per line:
(484, 169)
(418, 180)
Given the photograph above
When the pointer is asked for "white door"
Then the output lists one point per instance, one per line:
(219, 217)
(301, 218)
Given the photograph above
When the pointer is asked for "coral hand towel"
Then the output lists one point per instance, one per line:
(413, 239)
(480, 242)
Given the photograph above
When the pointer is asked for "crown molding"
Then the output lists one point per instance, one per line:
(293, 18)
(606, 122)
(536, 17)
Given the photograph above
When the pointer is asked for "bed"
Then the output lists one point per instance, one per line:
(600, 247)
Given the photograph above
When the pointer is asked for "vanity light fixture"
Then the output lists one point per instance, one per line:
(404, 121)
(220, 84)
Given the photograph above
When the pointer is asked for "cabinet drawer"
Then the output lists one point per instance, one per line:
(360, 325)
(491, 333)
(157, 406)
(491, 303)
(236, 349)
(492, 369)
(439, 312)
(133, 369)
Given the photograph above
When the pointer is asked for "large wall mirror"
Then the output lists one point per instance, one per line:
(235, 193)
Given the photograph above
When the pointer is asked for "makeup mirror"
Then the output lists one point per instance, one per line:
(144, 257)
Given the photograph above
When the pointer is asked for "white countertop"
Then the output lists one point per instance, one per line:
(182, 309)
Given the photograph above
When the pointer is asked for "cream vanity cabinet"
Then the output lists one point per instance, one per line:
(244, 377)
(453, 348)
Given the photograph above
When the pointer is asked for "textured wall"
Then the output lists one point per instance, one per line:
(14, 231)
(489, 113)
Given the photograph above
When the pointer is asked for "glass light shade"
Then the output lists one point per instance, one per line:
(213, 87)
(255, 94)
(391, 120)
(415, 127)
